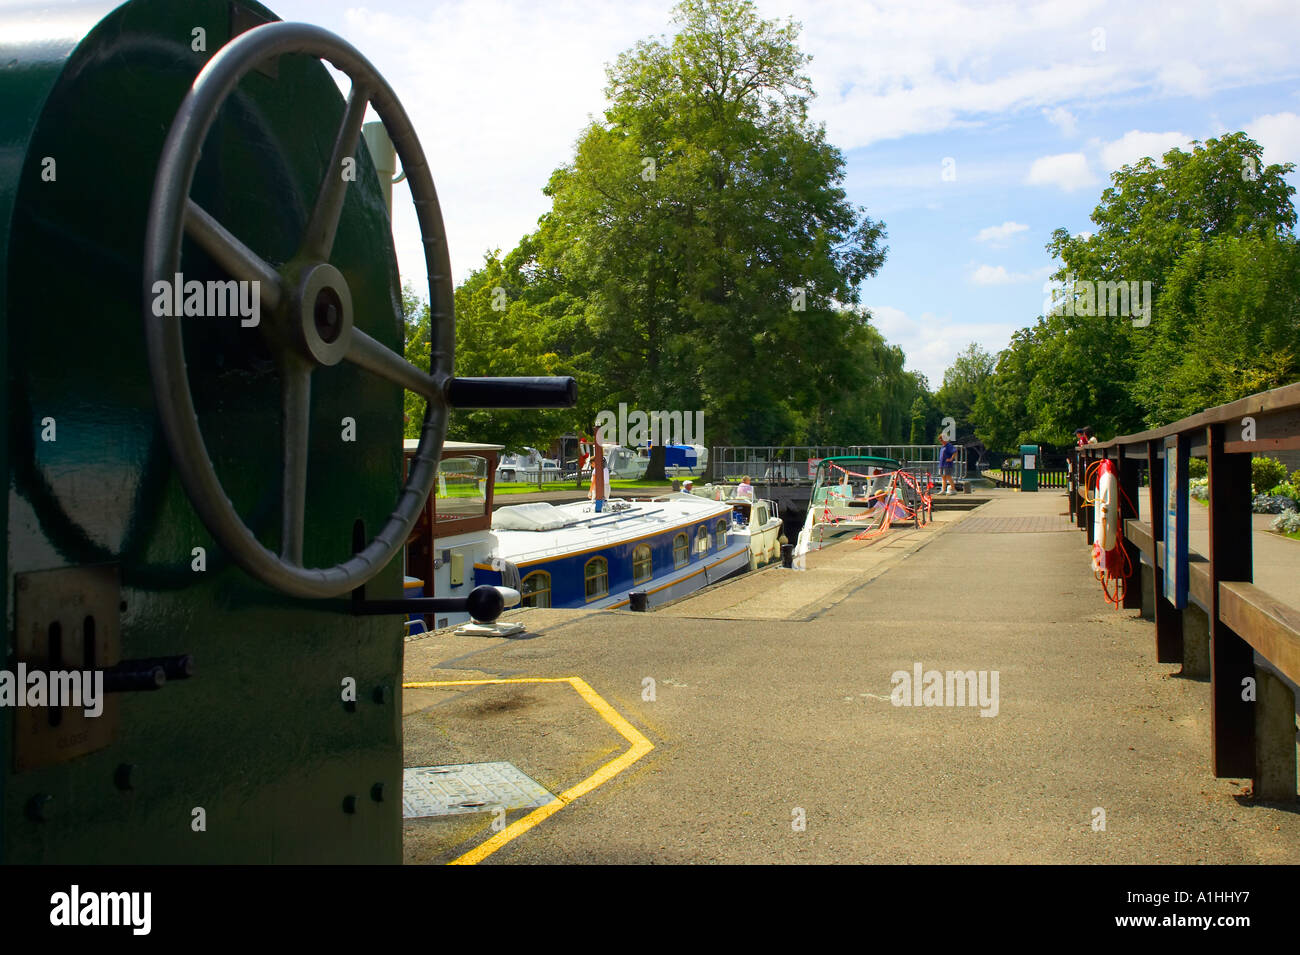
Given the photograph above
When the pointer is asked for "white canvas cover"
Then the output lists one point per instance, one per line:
(539, 516)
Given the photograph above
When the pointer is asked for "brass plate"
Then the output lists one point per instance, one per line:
(71, 598)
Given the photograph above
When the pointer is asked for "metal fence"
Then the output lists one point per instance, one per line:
(798, 464)
(1051, 478)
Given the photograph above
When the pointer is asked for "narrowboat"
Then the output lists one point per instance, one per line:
(566, 555)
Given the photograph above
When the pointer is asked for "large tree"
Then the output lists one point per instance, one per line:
(1210, 233)
(704, 231)
(1150, 216)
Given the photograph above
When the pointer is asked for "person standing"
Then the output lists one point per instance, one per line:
(946, 455)
(599, 480)
(744, 488)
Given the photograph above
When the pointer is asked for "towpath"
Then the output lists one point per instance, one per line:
(768, 706)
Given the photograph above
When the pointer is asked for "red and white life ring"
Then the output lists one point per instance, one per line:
(1106, 544)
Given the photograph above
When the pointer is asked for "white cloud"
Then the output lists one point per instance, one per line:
(1000, 233)
(1181, 78)
(500, 89)
(1279, 134)
(884, 71)
(993, 275)
(1062, 119)
(1068, 171)
(1135, 144)
(932, 341)
(998, 275)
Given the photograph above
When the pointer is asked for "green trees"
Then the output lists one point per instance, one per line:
(1231, 325)
(964, 381)
(1211, 232)
(699, 253)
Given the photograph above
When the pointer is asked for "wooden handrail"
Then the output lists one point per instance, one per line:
(1244, 620)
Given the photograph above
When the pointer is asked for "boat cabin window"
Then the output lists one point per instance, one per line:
(641, 564)
(461, 490)
(681, 550)
(597, 577)
(721, 534)
(702, 541)
(762, 514)
(535, 590)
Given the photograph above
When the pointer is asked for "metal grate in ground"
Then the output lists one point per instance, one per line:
(468, 787)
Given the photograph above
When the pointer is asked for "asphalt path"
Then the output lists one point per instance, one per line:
(780, 740)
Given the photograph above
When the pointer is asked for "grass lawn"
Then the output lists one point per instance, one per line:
(523, 487)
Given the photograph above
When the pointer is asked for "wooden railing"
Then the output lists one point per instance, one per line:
(1227, 618)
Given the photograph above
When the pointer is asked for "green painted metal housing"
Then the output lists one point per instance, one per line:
(260, 738)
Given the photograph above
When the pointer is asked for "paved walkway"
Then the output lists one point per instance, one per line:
(759, 725)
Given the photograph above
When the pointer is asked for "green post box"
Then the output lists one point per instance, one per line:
(1029, 467)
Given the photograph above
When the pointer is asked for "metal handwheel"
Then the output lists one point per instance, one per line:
(307, 316)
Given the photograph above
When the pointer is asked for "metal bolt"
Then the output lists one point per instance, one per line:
(377, 792)
(350, 804)
(124, 777)
(39, 807)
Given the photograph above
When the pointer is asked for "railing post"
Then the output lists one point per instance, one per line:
(1089, 513)
(1073, 458)
(1130, 480)
(1232, 661)
(1169, 619)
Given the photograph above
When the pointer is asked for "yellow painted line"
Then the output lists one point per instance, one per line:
(640, 746)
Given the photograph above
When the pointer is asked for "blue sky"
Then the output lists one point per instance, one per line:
(1034, 103)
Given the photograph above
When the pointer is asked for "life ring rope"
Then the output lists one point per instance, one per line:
(1107, 577)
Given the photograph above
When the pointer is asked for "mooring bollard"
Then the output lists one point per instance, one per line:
(639, 601)
(787, 556)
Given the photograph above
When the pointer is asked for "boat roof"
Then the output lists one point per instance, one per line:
(863, 457)
(410, 444)
(582, 530)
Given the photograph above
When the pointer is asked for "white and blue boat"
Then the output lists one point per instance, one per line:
(566, 555)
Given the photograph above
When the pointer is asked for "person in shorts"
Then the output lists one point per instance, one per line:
(947, 454)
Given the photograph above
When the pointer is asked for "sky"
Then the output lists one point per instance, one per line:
(972, 129)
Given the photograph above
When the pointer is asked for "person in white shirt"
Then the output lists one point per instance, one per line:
(744, 488)
(600, 487)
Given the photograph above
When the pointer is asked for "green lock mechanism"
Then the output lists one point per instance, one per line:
(189, 497)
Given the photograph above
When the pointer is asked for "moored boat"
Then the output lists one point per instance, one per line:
(856, 493)
(756, 521)
(567, 555)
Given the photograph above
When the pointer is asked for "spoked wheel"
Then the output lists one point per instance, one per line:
(307, 317)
